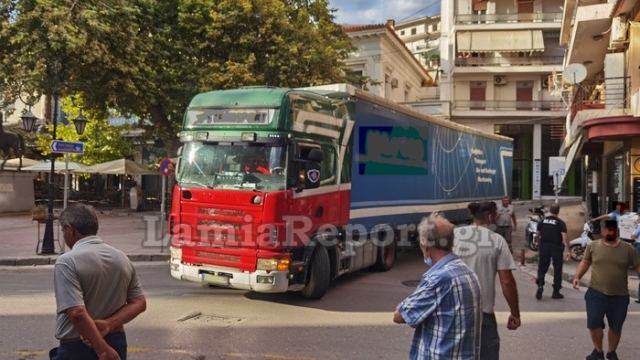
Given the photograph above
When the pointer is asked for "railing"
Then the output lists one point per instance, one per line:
(510, 61)
(510, 105)
(610, 93)
(507, 18)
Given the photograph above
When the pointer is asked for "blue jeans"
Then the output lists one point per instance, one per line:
(77, 350)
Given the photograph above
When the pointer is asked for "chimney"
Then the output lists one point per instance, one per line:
(391, 23)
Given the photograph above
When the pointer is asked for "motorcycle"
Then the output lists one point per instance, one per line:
(531, 231)
(578, 245)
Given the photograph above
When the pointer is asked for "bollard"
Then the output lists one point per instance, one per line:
(522, 258)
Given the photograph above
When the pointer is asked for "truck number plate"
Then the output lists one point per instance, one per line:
(214, 279)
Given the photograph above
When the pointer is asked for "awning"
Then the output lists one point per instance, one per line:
(571, 155)
(503, 41)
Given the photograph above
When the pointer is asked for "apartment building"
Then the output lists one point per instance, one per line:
(496, 58)
(422, 37)
(603, 126)
(383, 58)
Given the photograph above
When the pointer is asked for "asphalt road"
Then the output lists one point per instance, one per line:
(353, 321)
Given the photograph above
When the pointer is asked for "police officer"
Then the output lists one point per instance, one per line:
(553, 240)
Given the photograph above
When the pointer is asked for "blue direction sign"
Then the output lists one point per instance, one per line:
(67, 147)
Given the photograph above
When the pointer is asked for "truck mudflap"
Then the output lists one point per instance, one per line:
(259, 281)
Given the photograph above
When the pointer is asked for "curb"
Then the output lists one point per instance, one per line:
(50, 260)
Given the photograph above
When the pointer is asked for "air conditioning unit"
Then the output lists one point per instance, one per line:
(499, 80)
(546, 82)
(619, 26)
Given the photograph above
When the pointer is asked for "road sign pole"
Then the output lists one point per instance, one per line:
(66, 181)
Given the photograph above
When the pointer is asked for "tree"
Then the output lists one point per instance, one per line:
(149, 57)
(103, 142)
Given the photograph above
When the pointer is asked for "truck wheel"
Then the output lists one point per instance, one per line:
(386, 258)
(320, 275)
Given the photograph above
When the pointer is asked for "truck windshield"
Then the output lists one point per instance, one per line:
(233, 166)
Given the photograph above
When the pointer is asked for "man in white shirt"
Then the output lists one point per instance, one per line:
(488, 255)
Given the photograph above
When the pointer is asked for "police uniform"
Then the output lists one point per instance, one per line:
(551, 248)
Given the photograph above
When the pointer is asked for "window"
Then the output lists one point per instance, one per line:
(524, 95)
(328, 164)
(477, 95)
(414, 31)
(401, 32)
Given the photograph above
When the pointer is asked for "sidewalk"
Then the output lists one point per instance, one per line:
(123, 229)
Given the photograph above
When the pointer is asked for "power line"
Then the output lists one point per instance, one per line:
(434, 3)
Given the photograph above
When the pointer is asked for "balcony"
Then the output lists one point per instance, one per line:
(510, 61)
(467, 19)
(612, 93)
(510, 105)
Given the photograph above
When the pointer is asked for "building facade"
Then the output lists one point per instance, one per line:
(497, 57)
(422, 37)
(602, 40)
(390, 67)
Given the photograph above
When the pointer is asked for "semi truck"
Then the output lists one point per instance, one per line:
(287, 189)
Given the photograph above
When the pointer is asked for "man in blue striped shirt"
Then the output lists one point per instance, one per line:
(445, 308)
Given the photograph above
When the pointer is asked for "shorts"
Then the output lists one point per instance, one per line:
(600, 305)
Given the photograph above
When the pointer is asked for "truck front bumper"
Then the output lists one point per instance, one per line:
(258, 281)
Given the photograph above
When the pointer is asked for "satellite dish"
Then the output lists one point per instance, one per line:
(574, 74)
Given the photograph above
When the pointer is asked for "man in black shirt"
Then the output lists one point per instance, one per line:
(553, 240)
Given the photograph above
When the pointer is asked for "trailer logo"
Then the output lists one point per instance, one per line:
(313, 175)
(387, 150)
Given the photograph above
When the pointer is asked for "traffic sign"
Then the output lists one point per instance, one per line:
(67, 147)
(166, 167)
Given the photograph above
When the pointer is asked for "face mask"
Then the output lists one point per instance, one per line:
(428, 262)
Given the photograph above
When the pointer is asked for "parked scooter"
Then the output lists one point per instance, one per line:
(531, 231)
(578, 245)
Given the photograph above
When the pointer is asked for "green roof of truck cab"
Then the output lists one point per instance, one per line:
(246, 97)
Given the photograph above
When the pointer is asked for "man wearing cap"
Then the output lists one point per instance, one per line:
(608, 293)
(97, 292)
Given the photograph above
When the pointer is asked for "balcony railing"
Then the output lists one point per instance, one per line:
(611, 93)
(508, 18)
(510, 61)
(510, 105)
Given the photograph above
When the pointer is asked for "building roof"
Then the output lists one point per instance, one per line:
(420, 20)
(389, 29)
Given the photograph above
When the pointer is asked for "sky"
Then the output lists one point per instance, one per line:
(378, 11)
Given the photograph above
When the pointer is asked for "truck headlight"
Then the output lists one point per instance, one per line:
(176, 253)
(273, 264)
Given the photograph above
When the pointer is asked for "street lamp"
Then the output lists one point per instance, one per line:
(80, 123)
(28, 122)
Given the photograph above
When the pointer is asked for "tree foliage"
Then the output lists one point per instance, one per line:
(149, 57)
(102, 142)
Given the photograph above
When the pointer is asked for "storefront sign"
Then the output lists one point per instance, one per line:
(537, 170)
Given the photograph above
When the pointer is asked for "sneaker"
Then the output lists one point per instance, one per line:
(539, 292)
(596, 355)
(557, 295)
(638, 301)
(612, 355)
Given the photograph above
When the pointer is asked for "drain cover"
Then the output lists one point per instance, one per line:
(411, 283)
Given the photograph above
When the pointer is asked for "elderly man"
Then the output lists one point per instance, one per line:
(97, 292)
(445, 308)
